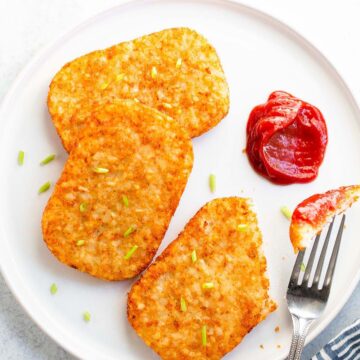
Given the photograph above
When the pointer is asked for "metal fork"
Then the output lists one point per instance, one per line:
(307, 301)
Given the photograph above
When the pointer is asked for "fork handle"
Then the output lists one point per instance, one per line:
(301, 327)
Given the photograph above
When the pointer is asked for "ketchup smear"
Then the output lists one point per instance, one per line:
(312, 214)
(286, 139)
(317, 209)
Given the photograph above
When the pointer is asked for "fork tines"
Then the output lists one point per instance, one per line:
(305, 282)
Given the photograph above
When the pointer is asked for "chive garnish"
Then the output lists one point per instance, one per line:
(153, 72)
(21, 157)
(193, 256)
(53, 289)
(167, 105)
(44, 187)
(48, 159)
(87, 316)
(183, 306)
(83, 207)
(302, 267)
(130, 252)
(178, 62)
(129, 231)
(101, 170)
(125, 200)
(286, 212)
(242, 227)
(80, 242)
(208, 285)
(212, 182)
(203, 335)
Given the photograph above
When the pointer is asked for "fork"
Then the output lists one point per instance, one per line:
(307, 301)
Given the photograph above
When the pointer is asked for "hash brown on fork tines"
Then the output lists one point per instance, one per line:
(200, 306)
(118, 191)
(176, 71)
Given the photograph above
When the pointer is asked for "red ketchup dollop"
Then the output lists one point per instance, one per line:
(286, 139)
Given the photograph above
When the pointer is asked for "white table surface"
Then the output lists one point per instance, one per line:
(27, 25)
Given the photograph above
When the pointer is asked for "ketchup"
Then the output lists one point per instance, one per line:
(312, 214)
(316, 209)
(286, 139)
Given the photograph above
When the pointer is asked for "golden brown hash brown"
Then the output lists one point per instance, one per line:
(229, 262)
(175, 71)
(118, 190)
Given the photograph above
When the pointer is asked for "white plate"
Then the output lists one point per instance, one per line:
(259, 54)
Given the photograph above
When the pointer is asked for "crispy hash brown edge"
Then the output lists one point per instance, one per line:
(148, 277)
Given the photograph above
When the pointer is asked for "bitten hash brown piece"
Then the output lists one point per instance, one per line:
(229, 258)
(175, 71)
(315, 212)
(118, 191)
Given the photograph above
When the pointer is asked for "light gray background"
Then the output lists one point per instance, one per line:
(27, 25)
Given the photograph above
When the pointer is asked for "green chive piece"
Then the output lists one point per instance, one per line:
(130, 252)
(83, 207)
(125, 200)
(153, 72)
(178, 62)
(129, 231)
(21, 157)
(44, 187)
(53, 289)
(302, 267)
(242, 227)
(87, 316)
(183, 304)
(203, 335)
(101, 170)
(212, 182)
(80, 242)
(120, 77)
(208, 285)
(193, 256)
(48, 159)
(286, 212)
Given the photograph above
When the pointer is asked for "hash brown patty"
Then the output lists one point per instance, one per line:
(118, 191)
(224, 286)
(175, 71)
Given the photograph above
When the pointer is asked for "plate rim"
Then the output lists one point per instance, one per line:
(46, 325)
